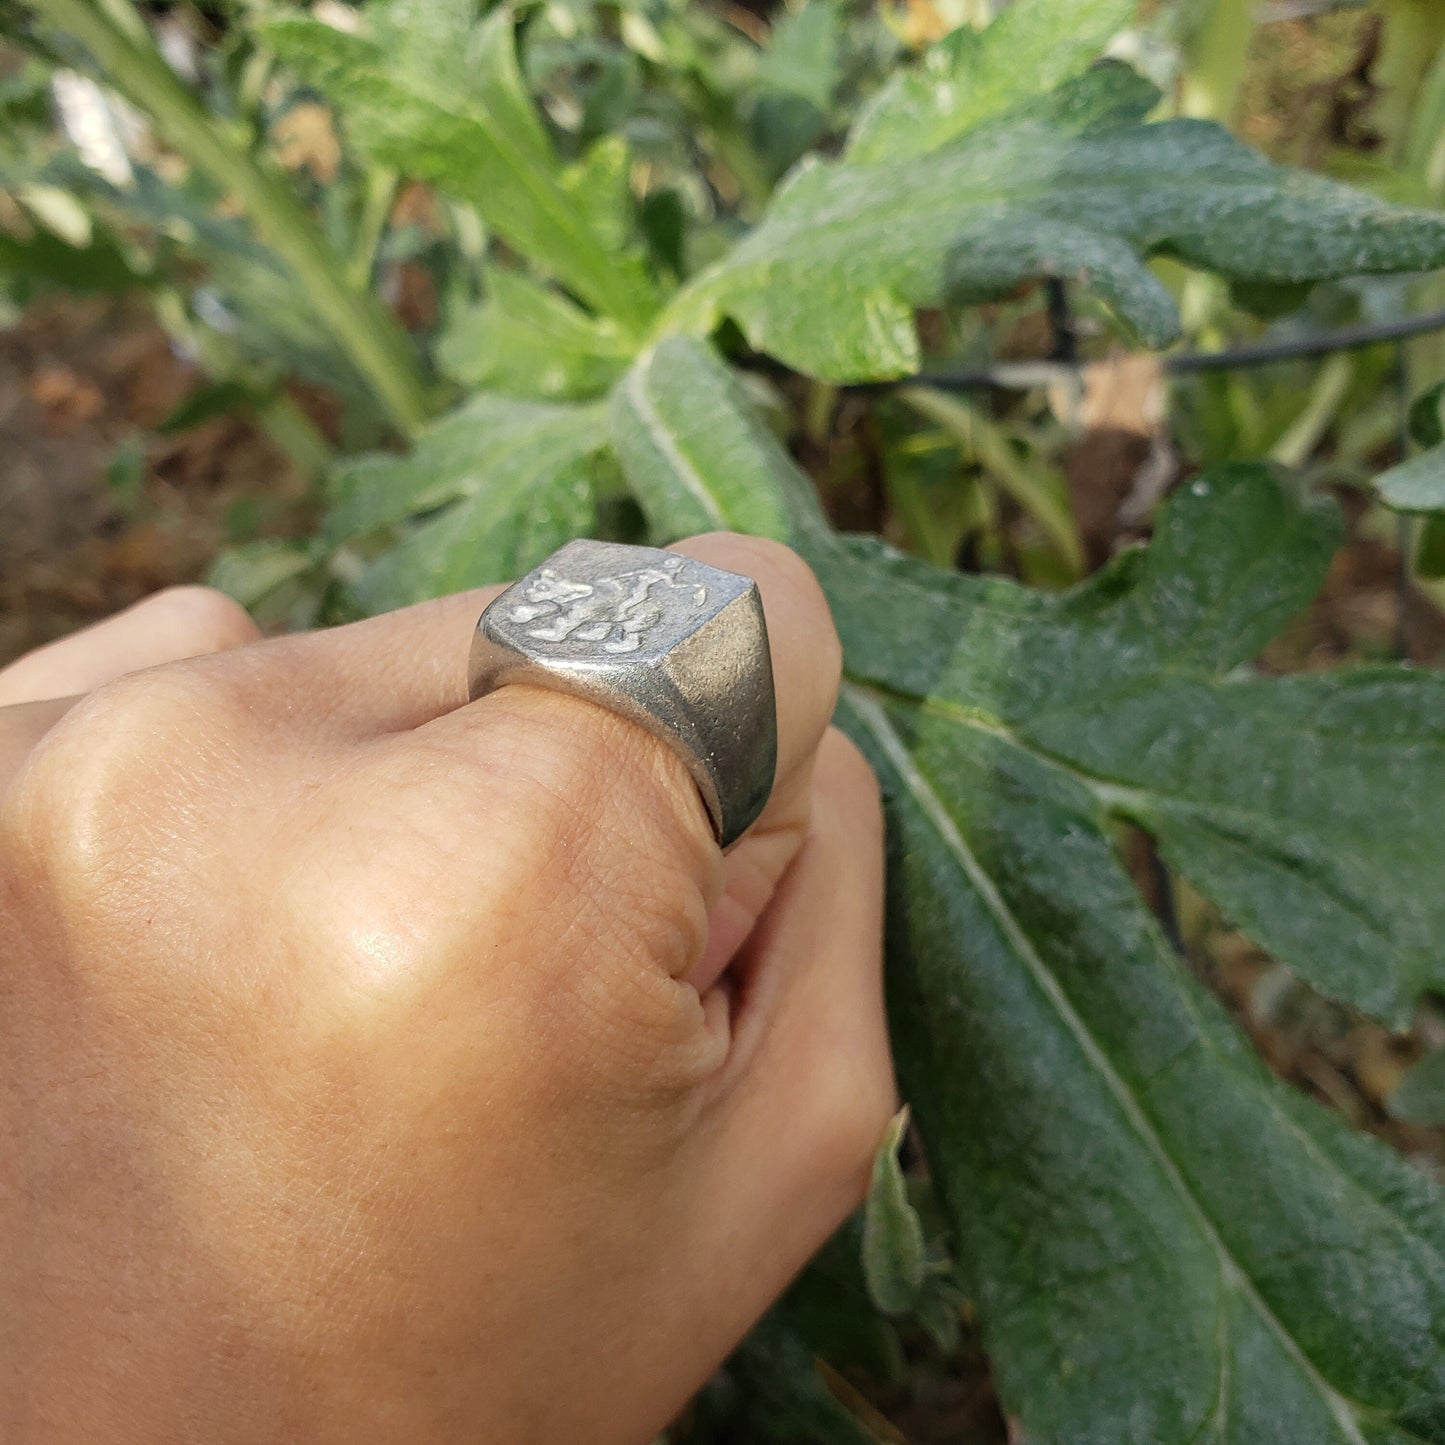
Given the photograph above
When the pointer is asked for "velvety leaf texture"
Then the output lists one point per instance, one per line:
(532, 341)
(497, 485)
(1163, 1243)
(1075, 185)
(895, 1255)
(971, 76)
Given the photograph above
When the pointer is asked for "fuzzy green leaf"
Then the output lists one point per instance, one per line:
(446, 103)
(695, 455)
(530, 340)
(973, 76)
(502, 483)
(1162, 1242)
(895, 1255)
(1075, 186)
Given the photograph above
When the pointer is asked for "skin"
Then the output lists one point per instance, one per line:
(378, 1066)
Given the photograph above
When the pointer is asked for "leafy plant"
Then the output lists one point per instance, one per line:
(1160, 1242)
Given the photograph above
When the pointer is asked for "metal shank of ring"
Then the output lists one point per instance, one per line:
(675, 646)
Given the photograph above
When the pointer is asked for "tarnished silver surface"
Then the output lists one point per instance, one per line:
(677, 646)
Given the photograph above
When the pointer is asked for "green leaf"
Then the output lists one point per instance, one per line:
(695, 454)
(508, 478)
(529, 340)
(497, 446)
(492, 536)
(803, 53)
(895, 1255)
(251, 572)
(1415, 485)
(1420, 1096)
(1430, 551)
(1074, 186)
(1427, 417)
(1418, 483)
(783, 1398)
(449, 107)
(1162, 1242)
(973, 76)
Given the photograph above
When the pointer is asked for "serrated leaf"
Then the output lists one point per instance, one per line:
(499, 445)
(1075, 186)
(492, 536)
(505, 481)
(895, 1255)
(1163, 1243)
(1420, 1095)
(974, 76)
(466, 124)
(529, 340)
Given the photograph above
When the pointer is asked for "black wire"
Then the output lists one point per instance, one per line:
(1016, 375)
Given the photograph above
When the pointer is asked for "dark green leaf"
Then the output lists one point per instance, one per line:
(1162, 1242)
(1427, 417)
(783, 1398)
(1074, 186)
(47, 260)
(1430, 552)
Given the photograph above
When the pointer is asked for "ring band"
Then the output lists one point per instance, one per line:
(674, 645)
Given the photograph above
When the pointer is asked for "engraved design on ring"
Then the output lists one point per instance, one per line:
(674, 645)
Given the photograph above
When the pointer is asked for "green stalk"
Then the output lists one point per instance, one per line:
(1305, 433)
(1218, 51)
(363, 328)
(986, 443)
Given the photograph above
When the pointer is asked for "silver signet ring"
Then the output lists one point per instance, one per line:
(676, 646)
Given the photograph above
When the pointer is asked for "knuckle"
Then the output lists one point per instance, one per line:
(209, 620)
(115, 757)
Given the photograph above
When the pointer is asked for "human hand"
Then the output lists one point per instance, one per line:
(375, 1067)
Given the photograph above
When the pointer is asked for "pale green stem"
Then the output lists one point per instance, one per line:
(1219, 50)
(981, 439)
(1307, 430)
(365, 331)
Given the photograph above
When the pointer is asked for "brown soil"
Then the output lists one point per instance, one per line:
(79, 381)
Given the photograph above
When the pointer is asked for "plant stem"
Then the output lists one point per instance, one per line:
(360, 324)
(982, 440)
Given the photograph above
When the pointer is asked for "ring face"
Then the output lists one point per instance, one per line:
(677, 646)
